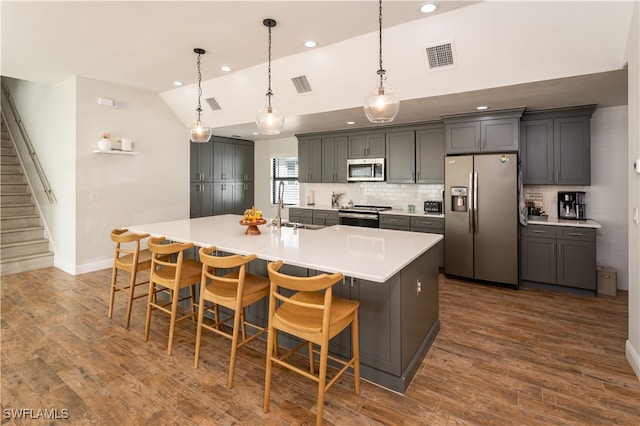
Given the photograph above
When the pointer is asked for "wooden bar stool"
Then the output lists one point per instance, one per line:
(315, 316)
(170, 272)
(129, 258)
(235, 290)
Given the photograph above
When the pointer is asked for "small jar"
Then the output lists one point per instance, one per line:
(104, 144)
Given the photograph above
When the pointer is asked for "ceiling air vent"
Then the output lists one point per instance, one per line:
(302, 84)
(213, 104)
(441, 56)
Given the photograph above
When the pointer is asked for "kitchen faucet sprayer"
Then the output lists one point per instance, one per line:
(277, 221)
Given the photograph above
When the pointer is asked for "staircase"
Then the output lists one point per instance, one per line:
(22, 243)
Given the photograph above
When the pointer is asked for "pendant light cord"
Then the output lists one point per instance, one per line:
(381, 72)
(269, 92)
(199, 109)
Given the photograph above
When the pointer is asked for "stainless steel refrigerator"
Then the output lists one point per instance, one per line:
(481, 217)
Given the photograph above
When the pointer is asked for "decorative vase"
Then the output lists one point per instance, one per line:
(104, 144)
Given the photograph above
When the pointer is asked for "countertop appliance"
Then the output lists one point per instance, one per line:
(571, 205)
(433, 206)
(481, 210)
(361, 215)
(365, 169)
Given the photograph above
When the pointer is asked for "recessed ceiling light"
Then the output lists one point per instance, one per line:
(177, 83)
(428, 7)
(310, 43)
(255, 133)
(225, 68)
(351, 123)
(482, 107)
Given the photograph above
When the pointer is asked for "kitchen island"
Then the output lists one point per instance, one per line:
(393, 274)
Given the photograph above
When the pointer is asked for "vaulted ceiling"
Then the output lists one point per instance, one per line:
(507, 54)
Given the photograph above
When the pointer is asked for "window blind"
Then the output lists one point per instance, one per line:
(285, 170)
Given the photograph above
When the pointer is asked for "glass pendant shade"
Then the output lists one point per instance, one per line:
(199, 132)
(381, 104)
(269, 120)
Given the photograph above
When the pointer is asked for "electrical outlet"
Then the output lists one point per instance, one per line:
(94, 196)
(635, 215)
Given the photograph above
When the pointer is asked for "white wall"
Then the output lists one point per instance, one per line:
(146, 188)
(64, 123)
(633, 58)
(48, 113)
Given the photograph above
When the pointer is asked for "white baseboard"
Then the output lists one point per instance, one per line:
(85, 268)
(633, 357)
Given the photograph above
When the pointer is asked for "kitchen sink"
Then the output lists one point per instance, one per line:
(299, 225)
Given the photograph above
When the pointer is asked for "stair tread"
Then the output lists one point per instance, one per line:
(28, 228)
(8, 259)
(21, 216)
(24, 243)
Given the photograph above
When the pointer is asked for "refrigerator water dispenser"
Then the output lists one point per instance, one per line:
(459, 198)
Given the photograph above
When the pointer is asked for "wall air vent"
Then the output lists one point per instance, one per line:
(301, 84)
(441, 56)
(213, 104)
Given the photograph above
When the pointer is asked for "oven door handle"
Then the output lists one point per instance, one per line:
(358, 216)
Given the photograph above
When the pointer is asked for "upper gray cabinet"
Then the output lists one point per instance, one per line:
(367, 145)
(401, 156)
(310, 160)
(201, 155)
(334, 159)
(556, 146)
(497, 131)
(430, 155)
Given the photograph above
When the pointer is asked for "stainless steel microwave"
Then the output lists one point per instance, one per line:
(365, 169)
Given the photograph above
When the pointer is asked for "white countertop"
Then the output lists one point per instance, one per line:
(554, 221)
(366, 253)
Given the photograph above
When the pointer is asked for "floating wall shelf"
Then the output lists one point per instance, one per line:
(115, 152)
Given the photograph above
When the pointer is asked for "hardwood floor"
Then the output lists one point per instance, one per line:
(503, 357)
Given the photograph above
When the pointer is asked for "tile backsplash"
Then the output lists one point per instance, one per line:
(397, 196)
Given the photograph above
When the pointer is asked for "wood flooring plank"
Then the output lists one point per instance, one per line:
(502, 357)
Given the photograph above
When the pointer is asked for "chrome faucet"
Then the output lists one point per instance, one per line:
(277, 221)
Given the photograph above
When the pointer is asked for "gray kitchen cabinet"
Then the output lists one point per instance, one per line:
(243, 196)
(576, 265)
(244, 162)
(498, 131)
(430, 152)
(401, 156)
(556, 146)
(334, 159)
(371, 145)
(223, 161)
(201, 162)
(563, 256)
(310, 160)
(201, 201)
(396, 222)
(325, 217)
(224, 198)
(430, 225)
(298, 215)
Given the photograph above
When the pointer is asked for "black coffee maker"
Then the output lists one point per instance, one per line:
(571, 205)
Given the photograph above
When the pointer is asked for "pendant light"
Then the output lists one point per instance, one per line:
(269, 119)
(199, 132)
(381, 104)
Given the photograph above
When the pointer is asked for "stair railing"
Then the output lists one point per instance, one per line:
(29, 145)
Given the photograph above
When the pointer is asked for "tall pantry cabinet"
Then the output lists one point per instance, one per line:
(222, 179)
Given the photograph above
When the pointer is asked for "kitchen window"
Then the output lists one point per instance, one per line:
(285, 169)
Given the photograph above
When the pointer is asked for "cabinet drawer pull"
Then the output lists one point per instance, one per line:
(426, 223)
(535, 231)
(575, 234)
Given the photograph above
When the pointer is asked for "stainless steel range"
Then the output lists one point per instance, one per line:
(361, 215)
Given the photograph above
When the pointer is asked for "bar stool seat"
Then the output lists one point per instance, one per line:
(315, 316)
(235, 290)
(170, 272)
(128, 258)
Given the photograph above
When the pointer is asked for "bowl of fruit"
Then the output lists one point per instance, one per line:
(251, 219)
